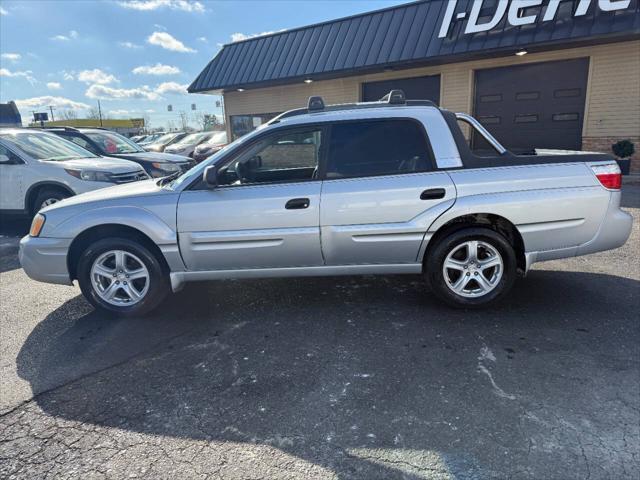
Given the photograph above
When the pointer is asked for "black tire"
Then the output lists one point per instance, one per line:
(47, 193)
(159, 285)
(437, 255)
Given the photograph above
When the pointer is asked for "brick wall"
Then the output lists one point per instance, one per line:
(603, 144)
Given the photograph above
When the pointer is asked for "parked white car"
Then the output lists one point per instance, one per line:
(38, 169)
(188, 144)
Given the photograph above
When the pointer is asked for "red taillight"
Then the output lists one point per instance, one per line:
(611, 180)
(608, 175)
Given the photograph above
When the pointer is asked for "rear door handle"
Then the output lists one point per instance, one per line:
(432, 194)
(297, 203)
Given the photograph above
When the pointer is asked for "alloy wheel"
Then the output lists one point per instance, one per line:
(120, 278)
(473, 268)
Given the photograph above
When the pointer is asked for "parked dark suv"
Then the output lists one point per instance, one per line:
(107, 143)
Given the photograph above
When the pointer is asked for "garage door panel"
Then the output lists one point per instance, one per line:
(540, 105)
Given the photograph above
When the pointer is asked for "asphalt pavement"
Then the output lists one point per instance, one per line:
(345, 377)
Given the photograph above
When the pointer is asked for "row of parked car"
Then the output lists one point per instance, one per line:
(39, 167)
(198, 145)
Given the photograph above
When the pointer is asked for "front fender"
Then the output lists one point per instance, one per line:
(139, 218)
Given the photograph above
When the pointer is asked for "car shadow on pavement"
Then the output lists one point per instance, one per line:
(368, 377)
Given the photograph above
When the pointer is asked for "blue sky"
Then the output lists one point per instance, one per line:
(136, 56)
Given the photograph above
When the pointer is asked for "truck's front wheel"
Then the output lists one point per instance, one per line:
(122, 276)
(472, 267)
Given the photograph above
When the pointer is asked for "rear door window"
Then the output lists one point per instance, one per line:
(377, 147)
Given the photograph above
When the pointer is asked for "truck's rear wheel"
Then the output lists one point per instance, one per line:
(122, 276)
(472, 267)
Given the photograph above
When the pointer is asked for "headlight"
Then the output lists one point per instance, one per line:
(90, 175)
(36, 225)
(166, 167)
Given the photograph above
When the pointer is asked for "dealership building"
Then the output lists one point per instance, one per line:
(561, 74)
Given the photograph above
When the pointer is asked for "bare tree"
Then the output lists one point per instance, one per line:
(68, 115)
(93, 113)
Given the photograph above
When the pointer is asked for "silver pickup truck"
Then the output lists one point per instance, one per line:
(387, 187)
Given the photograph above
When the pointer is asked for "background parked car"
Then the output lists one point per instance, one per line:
(150, 138)
(38, 169)
(208, 148)
(138, 138)
(108, 143)
(187, 145)
(164, 141)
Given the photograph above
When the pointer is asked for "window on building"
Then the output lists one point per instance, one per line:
(385, 147)
(281, 157)
(243, 124)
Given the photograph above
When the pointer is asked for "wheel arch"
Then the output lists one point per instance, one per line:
(493, 221)
(82, 241)
(32, 191)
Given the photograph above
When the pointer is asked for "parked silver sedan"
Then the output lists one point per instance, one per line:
(382, 188)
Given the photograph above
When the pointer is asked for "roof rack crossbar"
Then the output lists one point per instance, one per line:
(394, 98)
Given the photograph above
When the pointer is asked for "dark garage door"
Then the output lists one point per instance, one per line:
(417, 88)
(533, 106)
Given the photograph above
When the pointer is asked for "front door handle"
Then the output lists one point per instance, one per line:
(432, 194)
(297, 203)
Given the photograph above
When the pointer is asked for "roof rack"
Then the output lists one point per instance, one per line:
(56, 127)
(392, 99)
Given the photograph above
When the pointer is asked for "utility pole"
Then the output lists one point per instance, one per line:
(51, 110)
(100, 112)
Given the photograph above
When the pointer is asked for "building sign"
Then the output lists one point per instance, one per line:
(518, 12)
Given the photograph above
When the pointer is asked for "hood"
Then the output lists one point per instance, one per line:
(154, 157)
(209, 146)
(183, 147)
(115, 193)
(101, 164)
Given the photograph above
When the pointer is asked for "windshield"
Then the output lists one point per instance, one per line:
(113, 143)
(46, 146)
(194, 138)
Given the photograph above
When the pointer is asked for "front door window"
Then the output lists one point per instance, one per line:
(282, 157)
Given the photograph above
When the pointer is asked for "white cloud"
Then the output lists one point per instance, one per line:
(68, 75)
(203, 39)
(119, 112)
(168, 42)
(149, 5)
(54, 86)
(65, 38)
(238, 37)
(3, 11)
(108, 93)
(157, 69)
(96, 76)
(150, 110)
(4, 72)
(171, 88)
(57, 102)
(14, 57)
(130, 45)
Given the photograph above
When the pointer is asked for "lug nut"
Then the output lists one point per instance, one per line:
(125, 283)
(117, 282)
(475, 273)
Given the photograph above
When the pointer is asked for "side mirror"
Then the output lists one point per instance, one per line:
(4, 159)
(210, 176)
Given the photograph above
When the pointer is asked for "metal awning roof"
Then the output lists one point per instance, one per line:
(408, 36)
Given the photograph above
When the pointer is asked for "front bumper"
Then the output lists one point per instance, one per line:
(45, 259)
